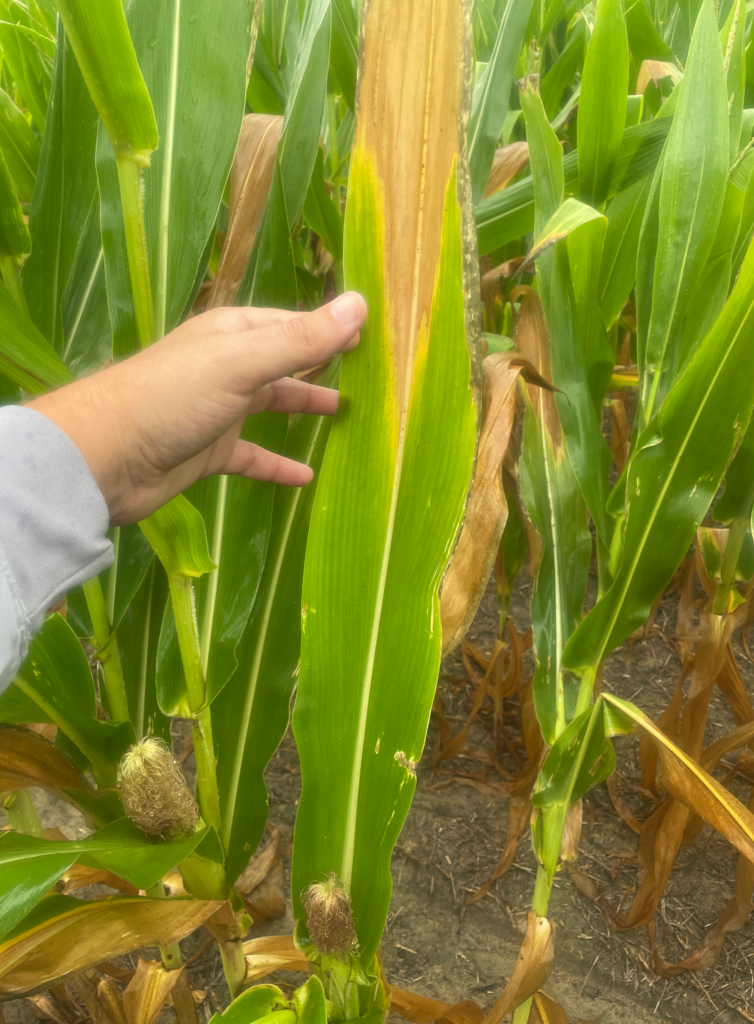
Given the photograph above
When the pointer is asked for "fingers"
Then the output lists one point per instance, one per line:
(255, 463)
(272, 352)
(289, 395)
(234, 319)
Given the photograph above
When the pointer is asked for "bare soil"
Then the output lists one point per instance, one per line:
(452, 841)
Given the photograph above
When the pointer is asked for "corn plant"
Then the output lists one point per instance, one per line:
(163, 159)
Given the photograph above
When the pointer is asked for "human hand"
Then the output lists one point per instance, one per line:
(150, 426)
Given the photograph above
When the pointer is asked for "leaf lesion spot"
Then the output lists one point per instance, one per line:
(406, 762)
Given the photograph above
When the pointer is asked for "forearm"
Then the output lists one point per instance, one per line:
(53, 523)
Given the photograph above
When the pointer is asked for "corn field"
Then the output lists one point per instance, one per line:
(548, 208)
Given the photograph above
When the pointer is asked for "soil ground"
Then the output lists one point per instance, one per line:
(451, 844)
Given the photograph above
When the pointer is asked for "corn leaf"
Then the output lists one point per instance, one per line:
(553, 503)
(492, 93)
(259, 1001)
(29, 866)
(194, 65)
(374, 557)
(618, 266)
(344, 49)
(569, 215)
(56, 676)
(63, 936)
(23, 60)
(25, 356)
(19, 146)
(666, 499)
(689, 203)
(506, 215)
(100, 39)
(64, 195)
(602, 106)
(14, 234)
(28, 759)
(251, 714)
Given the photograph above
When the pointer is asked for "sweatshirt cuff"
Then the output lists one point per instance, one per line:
(53, 518)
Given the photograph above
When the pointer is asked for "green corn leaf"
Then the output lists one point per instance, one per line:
(99, 37)
(29, 867)
(133, 559)
(19, 146)
(553, 502)
(254, 1004)
(64, 195)
(25, 356)
(733, 41)
(569, 215)
(85, 314)
(736, 502)
(507, 215)
(138, 643)
(490, 102)
(57, 678)
(582, 423)
(177, 535)
(305, 107)
(251, 714)
(374, 556)
(14, 234)
(561, 74)
(29, 71)
(344, 52)
(585, 247)
(604, 90)
(700, 422)
(644, 40)
(321, 213)
(265, 93)
(194, 64)
(618, 267)
(689, 204)
(709, 297)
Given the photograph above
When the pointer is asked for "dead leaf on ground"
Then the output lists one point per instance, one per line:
(506, 164)
(519, 815)
(250, 180)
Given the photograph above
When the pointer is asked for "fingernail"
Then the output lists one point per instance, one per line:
(348, 310)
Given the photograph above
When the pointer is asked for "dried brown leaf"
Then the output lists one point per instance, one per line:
(421, 1010)
(80, 938)
(655, 71)
(506, 164)
(261, 884)
(250, 180)
(519, 815)
(148, 990)
(185, 1002)
(531, 970)
(545, 1010)
(110, 1003)
(28, 759)
(272, 953)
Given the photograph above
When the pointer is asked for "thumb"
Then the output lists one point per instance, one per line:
(278, 350)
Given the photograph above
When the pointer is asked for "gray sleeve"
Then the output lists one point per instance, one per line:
(53, 523)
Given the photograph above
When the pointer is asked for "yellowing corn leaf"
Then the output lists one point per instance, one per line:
(396, 472)
(65, 936)
(250, 181)
(148, 991)
(507, 163)
(692, 786)
(487, 511)
(655, 71)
